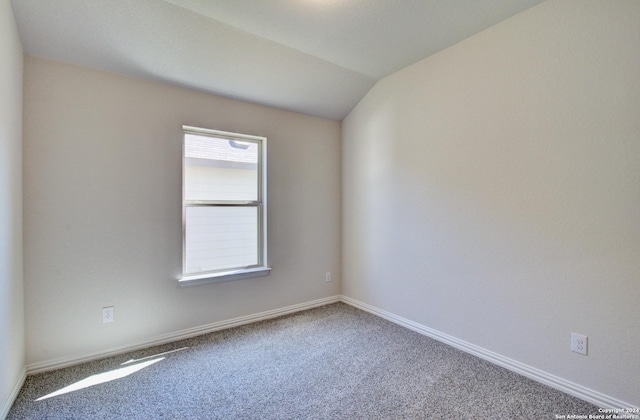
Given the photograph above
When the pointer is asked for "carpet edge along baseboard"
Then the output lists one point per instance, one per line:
(63, 362)
(561, 384)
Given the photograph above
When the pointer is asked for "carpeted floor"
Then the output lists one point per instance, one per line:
(333, 362)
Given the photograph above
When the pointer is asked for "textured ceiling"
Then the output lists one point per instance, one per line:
(318, 57)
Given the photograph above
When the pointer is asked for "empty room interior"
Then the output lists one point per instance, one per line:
(467, 171)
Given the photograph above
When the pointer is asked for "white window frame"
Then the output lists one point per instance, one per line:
(258, 270)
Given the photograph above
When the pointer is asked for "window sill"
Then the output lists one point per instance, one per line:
(189, 280)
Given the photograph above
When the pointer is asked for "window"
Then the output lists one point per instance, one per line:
(224, 213)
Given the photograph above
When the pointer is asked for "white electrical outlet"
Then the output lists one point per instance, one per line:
(327, 276)
(107, 314)
(579, 343)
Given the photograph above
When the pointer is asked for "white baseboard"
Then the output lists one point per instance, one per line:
(576, 390)
(179, 335)
(6, 405)
(579, 391)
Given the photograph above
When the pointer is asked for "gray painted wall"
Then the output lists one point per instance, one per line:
(11, 279)
(491, 192)
(102, 159)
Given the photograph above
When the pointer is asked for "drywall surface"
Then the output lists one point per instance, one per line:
(103, 218)
(11, 279)
(491, 192)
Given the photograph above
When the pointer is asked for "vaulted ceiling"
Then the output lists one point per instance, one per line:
(318, 57)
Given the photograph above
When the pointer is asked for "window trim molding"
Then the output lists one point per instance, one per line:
(188, 280)
(217, 276)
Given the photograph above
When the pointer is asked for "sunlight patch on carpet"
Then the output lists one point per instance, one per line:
(101, 378)
(155, 355)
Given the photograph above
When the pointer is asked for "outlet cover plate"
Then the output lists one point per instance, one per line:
(107, 314)
(579, 343)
